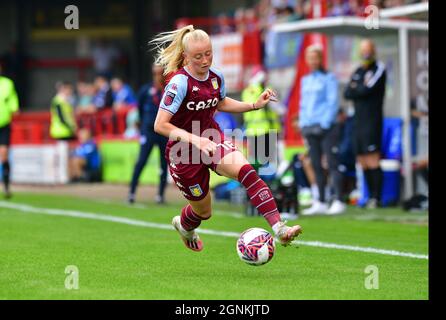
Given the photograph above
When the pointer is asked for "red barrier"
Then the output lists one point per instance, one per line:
(33, 127)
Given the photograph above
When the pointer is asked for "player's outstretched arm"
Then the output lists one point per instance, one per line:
(163, 127)
(235, 106)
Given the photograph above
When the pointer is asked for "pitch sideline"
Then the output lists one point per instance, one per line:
(140, 223)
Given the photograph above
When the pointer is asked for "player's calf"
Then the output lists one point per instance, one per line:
(190, 219)
(262, 199)
(259, 194)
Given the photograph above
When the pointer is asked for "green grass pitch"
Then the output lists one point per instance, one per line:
(118, 260)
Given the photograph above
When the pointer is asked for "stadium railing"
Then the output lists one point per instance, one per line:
(33, 127)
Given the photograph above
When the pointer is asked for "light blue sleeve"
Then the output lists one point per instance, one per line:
(331, 101)
(303, 104)
(174, 93)
(222, 87)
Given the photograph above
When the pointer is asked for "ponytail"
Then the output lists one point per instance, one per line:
(171, 57)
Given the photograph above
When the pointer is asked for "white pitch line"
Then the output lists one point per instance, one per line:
(140, 223)
(363, 249)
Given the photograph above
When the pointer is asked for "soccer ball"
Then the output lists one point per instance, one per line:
(256, 246)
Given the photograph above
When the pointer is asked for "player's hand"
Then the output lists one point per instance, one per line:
(207, 146)
(266, 96)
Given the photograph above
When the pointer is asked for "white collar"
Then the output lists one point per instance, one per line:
(207, 76)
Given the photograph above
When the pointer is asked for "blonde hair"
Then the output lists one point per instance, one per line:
(171, 57)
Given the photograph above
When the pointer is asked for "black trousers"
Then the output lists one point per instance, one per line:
(326, 143)
(5, 135)
(148, 140)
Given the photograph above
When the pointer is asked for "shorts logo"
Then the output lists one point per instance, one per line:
(168, 99)
(196, 190)
(214, 83)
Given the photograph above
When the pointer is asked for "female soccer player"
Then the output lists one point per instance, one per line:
(196, 143)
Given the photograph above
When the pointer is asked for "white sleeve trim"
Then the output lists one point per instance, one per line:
(379, 72)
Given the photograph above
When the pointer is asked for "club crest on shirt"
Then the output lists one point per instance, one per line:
(196, 190)
(168, 99)
(214, 83)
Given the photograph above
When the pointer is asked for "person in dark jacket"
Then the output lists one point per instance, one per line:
(367, 89)
(149, 98)
(103, 99)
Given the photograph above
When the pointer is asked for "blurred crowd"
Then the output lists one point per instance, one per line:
(268, 12)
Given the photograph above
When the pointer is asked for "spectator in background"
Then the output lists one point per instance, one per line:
(85, 95)
(104, 95)
(9, 104)
(319, 107)
(420, 143)
(132, 124)
(104, 56)
(85, 161)
(149, 98)
(299, 10)
(225, 120)
(346, 152)
(305, 160)
(85, 109)
(246, 20)
(286, 15)
(421, 169)
(307, 9)
(259, 124)
(377, 3)
(239, 20)
(123, 95)
(251, 22)
(224, 25)
(393, 3)
(354, 8)
(336, 8)
(63, 124)
(281, 4)
(367, 90)
(264, 12)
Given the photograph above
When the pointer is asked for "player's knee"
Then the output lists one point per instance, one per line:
(208, 215)
(204, 210)
(205, 214)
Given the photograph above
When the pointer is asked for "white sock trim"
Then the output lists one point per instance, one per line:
(249, 172)
(276, 227)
